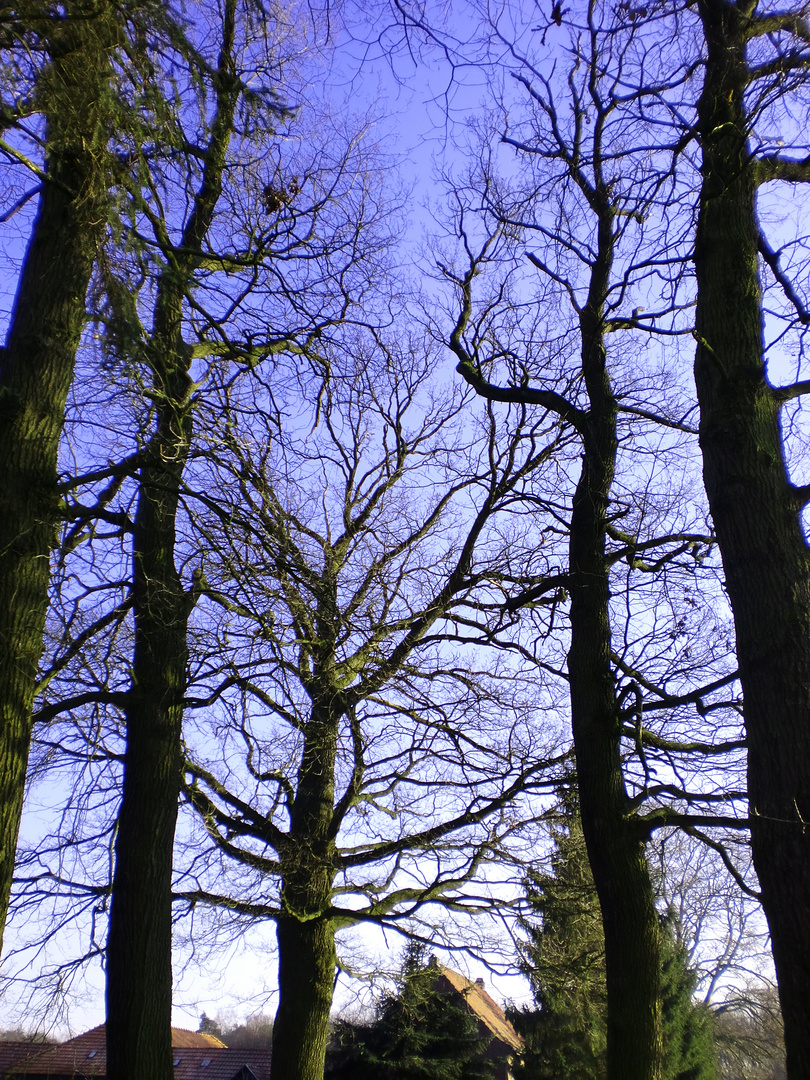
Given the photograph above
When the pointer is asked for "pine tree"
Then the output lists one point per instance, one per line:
(419, 1033)
(689, 1052)
(564, 959)
(209, 1026)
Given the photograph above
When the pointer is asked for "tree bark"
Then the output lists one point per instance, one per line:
(139, 946)
(614, 837)
(36, 370)
(615, 842)
(756, 517)
(306, 979)
(305, 929)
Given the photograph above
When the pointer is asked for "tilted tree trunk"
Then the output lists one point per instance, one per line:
(756, 515)
(305, 930)
(36, 370)
(614, 840)
(139, 946)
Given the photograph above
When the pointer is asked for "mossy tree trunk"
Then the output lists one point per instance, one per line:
(305, 931)
(756, 511)
(36, 371)
(139, 947)
(306, 977)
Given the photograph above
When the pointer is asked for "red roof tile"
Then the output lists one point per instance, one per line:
(83, 1056)
(223, 1064)
(86, 1056)
(11, 1053)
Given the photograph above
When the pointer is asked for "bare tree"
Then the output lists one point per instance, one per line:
(596, 215)
(750, 1038)
(353, 758)
(203, 275)
(722, 922)
(139, 979)
(743, 119)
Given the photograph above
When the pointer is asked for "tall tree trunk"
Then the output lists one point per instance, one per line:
(36, 370)
(305, 930)
(756, 517)
(614, 837)
(139, 947)
(615, 842)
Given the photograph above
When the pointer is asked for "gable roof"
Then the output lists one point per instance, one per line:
(85, 1055)
(484, 1007)
(198, 1057)
(222, 1064)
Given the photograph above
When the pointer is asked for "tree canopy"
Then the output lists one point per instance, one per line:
(324, 562)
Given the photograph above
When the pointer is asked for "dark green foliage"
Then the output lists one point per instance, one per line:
(209, 1026)
(689, 1052)
(564, 959)
(419, 1033)
(345, 1053)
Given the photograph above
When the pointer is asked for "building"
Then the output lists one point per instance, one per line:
(195, 1057)
(504, 1042)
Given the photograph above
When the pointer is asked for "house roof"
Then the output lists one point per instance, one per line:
(482, 1005)
(197, 1057)
(85, 1055)
(223, 1064)
(183, 1038)
(12, 1052)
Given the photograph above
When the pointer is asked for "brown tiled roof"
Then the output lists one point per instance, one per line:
(11, 1053)
(223, 1064)
(483, 1006)
(86, 1056)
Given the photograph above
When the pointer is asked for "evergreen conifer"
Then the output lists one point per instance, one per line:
(689, 1052)
(419, 1033)
(564, 959)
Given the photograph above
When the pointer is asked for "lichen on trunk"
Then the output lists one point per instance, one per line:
(139, 945)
